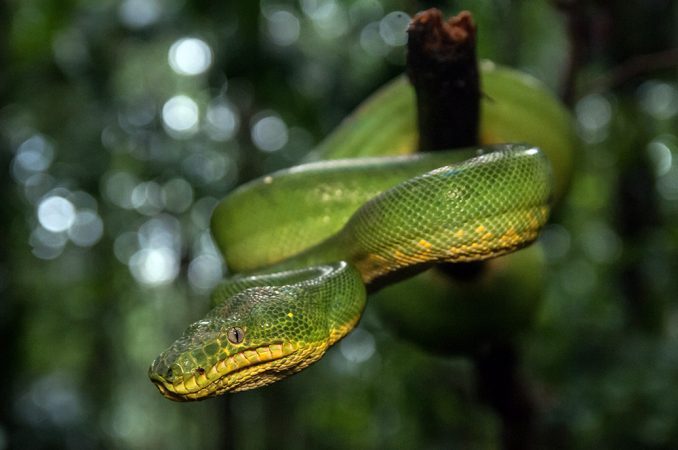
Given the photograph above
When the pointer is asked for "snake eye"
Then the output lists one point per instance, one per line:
(236, 335)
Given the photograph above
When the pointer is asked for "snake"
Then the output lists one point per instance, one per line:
(309, 243)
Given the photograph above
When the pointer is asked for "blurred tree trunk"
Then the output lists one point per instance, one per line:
(11, 311)
(609, 31)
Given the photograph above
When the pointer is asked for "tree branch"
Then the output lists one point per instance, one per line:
(442, 66)
(634, 67)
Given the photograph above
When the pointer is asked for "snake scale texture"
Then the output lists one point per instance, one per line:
(308, 243)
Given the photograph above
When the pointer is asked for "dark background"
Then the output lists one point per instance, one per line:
(115, 146)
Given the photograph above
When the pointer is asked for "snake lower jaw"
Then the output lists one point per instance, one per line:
(162, 386)
(239, 373)
(178, 391)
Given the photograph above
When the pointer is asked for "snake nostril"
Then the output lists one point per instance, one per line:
(173, 372)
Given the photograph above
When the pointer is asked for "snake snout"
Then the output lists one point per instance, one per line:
(163, 372)
(164, 376)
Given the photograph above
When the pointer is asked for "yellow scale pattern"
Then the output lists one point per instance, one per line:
(477, 210)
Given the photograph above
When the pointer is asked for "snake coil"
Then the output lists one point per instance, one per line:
(309, 241)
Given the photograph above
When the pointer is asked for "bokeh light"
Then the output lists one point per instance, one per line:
(372, 42)
(37, 185)
(204, 272)
(222, 120)
(139, 13)
(125, 246)
(556, 241)
(659, 99)
(147, 198)
(177, 195)
(118, 188)
(358, 347)
(156, 262)
(269, 132)
(54, 399)
(593, 117)
(662, 152)
(71, 51)
(283, 27)
(190, 56)
(329, 17)
(364, 11)
(180, 116)
(87, 228)
(163, 231)
(154, 266)
(393, 28)
(208, 167)
(661, 156)
(56, 213)
(600, 242)
(33, 155)
(47, 244)
(201, 212)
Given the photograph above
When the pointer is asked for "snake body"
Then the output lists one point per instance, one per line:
(309, 241)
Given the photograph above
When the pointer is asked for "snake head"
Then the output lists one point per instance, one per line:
(252, 338)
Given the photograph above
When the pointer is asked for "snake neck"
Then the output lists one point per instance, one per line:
(483, 208)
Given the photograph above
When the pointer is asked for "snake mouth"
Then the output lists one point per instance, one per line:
(230, 374)
(164, 388)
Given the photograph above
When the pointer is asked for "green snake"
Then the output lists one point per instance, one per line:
(309, 242)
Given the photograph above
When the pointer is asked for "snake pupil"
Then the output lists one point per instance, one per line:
(236, 335)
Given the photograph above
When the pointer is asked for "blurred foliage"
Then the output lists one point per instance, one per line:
(122, 123)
